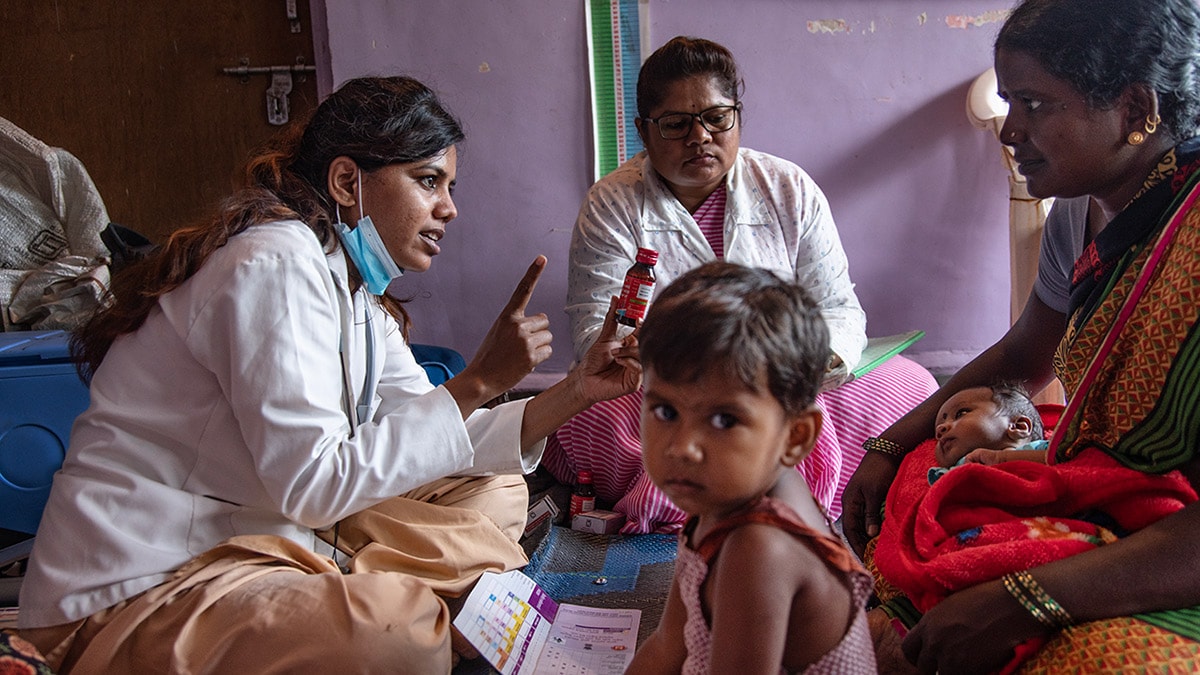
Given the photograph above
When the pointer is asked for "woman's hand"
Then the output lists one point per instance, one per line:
(862, 500)
(611, 366)
(512, 348)
(973, 631)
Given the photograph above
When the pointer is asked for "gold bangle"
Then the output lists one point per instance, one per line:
(1035, 600)
(1047, 603)
(884, 446)
(1010, 585)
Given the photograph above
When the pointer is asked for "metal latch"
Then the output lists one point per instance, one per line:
(281, 85)
(293, 16)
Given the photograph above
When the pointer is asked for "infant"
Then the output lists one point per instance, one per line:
(987, 425)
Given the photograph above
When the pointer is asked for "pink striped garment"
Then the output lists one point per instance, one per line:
(711, 219)
(606, 440)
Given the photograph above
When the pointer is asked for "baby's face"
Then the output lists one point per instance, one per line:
(968, 420)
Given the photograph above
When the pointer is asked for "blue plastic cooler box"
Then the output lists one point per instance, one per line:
(40, 396)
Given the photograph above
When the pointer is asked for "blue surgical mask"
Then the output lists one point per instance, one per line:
(367, 251)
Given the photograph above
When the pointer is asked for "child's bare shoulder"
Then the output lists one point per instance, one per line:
(755, 548)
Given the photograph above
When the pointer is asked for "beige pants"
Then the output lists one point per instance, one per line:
(263, 604)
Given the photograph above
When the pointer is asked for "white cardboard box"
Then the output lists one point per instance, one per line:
(598, 522)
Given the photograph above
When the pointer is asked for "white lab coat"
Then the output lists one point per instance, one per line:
(776, 217)
(225, 415)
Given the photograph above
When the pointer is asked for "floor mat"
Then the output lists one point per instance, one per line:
(597, 570)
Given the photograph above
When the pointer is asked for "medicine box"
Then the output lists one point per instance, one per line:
(40, 396)
(598, 522)
(543, 510)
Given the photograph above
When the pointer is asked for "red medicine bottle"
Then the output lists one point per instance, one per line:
(583, 498)
(638, 288)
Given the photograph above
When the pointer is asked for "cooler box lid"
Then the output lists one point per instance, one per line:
(34, 348)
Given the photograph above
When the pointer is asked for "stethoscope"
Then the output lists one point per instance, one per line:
(356, 413)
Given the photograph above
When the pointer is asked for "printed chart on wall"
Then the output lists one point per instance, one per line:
(520, 629)
(618, 33)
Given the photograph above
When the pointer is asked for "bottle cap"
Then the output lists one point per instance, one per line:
(585, 476)
(647, 256)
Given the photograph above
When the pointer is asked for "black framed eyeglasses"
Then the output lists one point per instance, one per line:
(673, 126)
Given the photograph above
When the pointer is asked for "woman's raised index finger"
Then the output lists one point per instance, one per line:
(520, 297)
(608, 329)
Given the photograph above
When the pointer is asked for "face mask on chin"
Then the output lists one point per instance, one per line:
(366, 249)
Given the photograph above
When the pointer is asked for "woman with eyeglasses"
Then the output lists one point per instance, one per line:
(694, 195)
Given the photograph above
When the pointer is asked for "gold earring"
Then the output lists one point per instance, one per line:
(1152, 123)
(1136, 138)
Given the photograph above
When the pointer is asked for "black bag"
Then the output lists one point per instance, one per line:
(125, 246)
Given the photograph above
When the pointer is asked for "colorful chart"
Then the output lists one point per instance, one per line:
(518, 628)
(617, 33)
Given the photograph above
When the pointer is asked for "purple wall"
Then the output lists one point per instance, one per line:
(869, 97)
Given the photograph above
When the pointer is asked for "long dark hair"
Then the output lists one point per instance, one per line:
(1103, 46)
(376, 121)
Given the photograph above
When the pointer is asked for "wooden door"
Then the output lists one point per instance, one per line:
(136, 91)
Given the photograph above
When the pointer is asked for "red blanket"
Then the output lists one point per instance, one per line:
(978, 523)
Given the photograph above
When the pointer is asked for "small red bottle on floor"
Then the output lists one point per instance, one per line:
(583, 498)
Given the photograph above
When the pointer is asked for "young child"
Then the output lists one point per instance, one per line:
(987, 425)
(732, 359)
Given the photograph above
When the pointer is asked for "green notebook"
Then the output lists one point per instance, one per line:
(880, 349)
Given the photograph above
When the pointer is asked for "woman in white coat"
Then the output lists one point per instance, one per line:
(260, 435)
(696, 195)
